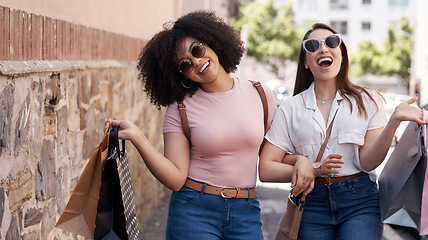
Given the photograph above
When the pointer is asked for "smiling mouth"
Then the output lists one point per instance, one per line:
(204, 67)
(325, 62)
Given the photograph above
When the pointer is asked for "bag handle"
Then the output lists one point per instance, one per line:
(327, 136)
(185, 123)
(114, 141)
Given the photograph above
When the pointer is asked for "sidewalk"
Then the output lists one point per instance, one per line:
(272, 200)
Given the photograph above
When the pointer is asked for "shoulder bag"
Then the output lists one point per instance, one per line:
(289, 224)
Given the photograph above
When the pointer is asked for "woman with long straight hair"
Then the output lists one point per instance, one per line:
(341, 191)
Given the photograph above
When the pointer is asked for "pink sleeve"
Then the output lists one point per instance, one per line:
(172, 120)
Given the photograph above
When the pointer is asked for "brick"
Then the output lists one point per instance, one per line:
(59, 40)
(41, 38)
(11, 36)
(67, 45)
(80, 50)
(95, 46)
(29, 52)
(55, 40)
(72, 42)
(2, 32)
(37, 49)
(6, 36)
(25, 32)
(49, 38)
(88, 46)
(53, 44)
(44, 38)
(19, 22)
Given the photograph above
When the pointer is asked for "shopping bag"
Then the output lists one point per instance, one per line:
(127, 195)
(79, 214)
(423, 228)
(401, 180)
(116, 213)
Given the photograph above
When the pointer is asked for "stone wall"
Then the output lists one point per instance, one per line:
(51, 118)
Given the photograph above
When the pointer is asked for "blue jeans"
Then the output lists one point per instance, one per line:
(346, 210)
(197, 215)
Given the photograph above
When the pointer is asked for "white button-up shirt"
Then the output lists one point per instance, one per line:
(299, 128)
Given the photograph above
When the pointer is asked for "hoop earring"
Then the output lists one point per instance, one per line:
(184, 85)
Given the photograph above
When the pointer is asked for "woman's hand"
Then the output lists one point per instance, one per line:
(406, 112)
(329, 165)
(302, 178)
(127, 129)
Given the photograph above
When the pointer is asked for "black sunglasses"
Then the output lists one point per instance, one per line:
(312, 45)
(198, 51)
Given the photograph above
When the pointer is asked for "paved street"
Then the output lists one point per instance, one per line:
(272, 199)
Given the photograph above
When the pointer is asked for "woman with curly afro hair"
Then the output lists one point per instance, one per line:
(213, 172)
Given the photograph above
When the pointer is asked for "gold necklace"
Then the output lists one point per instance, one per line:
(323, 101)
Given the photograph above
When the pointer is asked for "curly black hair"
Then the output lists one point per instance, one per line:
(157, 68)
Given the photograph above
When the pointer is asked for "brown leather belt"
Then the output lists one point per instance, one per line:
(330, 180)
(224, 192)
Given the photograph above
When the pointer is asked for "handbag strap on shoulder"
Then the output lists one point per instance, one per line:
(262, 94)
(321, 152)
(185, 123)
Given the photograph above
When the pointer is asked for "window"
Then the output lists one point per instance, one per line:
(340, 26)
(367, 2)
(338, 4)
(308, 5)
(398, 2)
(366, 26)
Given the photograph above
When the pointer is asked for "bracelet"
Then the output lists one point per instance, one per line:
(317, 169)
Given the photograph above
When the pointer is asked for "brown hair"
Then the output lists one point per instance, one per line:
(304, 77)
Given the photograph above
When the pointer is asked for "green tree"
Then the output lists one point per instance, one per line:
(273, 37)
(393, 59)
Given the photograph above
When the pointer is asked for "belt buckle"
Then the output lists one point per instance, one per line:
(224, 196)
(329, 181)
